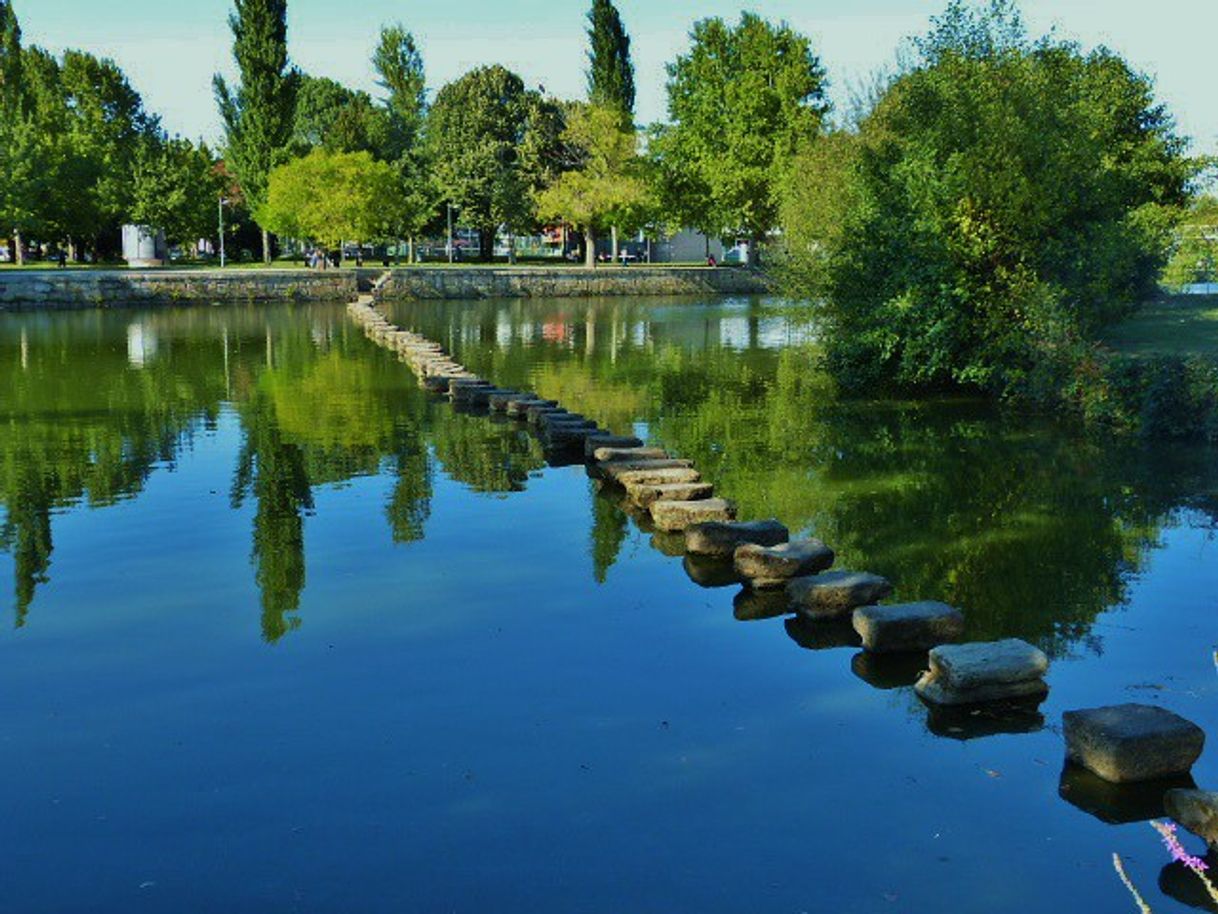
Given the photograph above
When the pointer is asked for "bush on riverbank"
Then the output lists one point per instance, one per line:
(1002, 201)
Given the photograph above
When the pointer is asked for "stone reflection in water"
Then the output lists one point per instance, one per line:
(888, 671)
(755, 605)
(991, 719)
(1178, 882)
(1117, 804)
(709, 573)
(822, 636)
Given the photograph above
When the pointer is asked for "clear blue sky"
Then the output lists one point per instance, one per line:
(171, 49)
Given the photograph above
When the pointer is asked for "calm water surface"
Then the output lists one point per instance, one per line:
(285, 634)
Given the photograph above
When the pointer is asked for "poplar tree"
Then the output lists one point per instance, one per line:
(258, 113)
(13, 128)
(610, 70)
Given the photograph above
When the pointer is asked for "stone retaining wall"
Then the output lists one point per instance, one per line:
(527, 282)
(65, 289)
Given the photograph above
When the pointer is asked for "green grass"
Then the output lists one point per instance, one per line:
(1175, 325)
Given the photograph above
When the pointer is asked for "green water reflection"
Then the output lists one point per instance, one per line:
(1032, 529)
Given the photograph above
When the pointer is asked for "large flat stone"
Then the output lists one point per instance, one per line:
(1196, 811)
(907, 626)
(665, 476)
(499, 399)
(767, 567)
(617, 454)
(962, 674)
(518, 408)
(1132, 742)
(609, 441)
(618, 470)
(721, 540)
(645, 495)
(674, 516)
(835, 594)
(534, 414)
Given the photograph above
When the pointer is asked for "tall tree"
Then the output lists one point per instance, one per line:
(399, 70)
(14, 132)
(492, 143)
(610, 69)
(106, 125)
(742, 102)
(258, 114)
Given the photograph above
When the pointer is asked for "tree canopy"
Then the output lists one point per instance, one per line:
(330, 197)
(610, 69)
(1004, 199)
(607, 187)
(741, 102)
(492, 143)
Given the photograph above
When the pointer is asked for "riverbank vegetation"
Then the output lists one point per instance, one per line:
(1000, 202)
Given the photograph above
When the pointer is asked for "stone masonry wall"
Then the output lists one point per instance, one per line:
(66, 289)
(528, 282)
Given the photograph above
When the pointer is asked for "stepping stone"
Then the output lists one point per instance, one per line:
(548, 420)
(616, 469)
(664, 476)
(768, 567)
(674, 516)
(568, 436)
(965, 674)
(836, 593)
(533, 414)
(518, 407)
(1196, 811)
(469, 394)
(1132, 742)
(645, 495)
(907, 626)
(611, 441)
(499, 399)
(613, 454)
(436, 383)
(721, 540)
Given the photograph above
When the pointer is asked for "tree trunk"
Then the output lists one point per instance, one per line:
(486, 245)
(512, 249)
(754, 253)
(18, 250)
(266, 246)
(589, 248)
(614, 247)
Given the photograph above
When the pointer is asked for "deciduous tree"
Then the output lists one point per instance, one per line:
(607, 187)
(258, 113)
(741, 102)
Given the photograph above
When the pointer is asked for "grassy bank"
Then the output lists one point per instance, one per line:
(1177, 325)
(1156, 373)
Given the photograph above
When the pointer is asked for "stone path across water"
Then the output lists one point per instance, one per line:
(781, 577)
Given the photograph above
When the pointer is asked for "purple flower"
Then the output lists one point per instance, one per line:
(1168, 832)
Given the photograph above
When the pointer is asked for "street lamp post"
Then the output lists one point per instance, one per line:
(220, 209)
